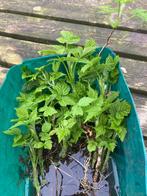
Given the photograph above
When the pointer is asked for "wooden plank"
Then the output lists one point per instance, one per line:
(141, 106)
(130, 44)
(140, 101)
(13, 51)
(80, 10)
(135, 73)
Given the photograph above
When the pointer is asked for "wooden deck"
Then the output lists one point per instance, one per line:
(28, 26)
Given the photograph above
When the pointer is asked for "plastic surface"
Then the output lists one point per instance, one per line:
(130, 156)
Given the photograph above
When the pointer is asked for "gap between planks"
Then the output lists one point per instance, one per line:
(74, 21)
(13, 51)
(131, 45)
(76, 10)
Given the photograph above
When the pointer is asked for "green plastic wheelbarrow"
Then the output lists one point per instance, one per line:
(129, 157)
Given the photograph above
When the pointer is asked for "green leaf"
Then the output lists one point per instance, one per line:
(62, 88)
(112, 96)
(54, 49)
(44, 136)
(86, 67)
(62, 133)
(92, 93)
(33, 116)
(19, 141)
(120, 107)
(100, 130)
(85, 101)
(22, 112)
(66, 100)
(111, 146)
(68, 37)
(92, 145)
(46, 127)
(56, 75)
(48, 110)
(77, 110)
(55, 66)
(121, 133)
(76, 134)
(68, 123)
(48, 145)
(94, 110)
(38, 145)
(14, 131)
(39, 89)
(90, 43)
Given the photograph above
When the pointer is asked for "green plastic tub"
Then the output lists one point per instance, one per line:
(129, 157)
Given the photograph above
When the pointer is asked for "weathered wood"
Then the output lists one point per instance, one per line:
(141, 106)
(13, 51)
(135, 73)
(140, 101)
(130, 44)
(80, 10)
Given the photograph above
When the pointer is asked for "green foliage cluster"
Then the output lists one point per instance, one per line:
(116, 9)
(71, 104)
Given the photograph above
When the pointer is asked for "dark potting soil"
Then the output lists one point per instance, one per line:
(66, 180)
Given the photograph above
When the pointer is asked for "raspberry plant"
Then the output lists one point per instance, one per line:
(71, 105)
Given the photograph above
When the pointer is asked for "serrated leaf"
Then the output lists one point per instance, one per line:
(62, 88)
(40, 89)
(122, 133)
(112, 96)
(92, 93)
(44, 136)
(85, 101)
(62, 133)
(54, 49)
(92, 145)
(48, 145)
(77, 110)
(22, 112)
(68, 37)
(68, 123)
(86, 67)
(95, 110)
(90, 43)
(46, 127)
(49, 111)
(120, 107)
(100, 130)
(67, 100)
(33, 116)
(38, 145)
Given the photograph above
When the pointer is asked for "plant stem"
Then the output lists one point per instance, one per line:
(98, 162)
(107, 42)
(41, 166)
(106, 159)
(34, 161)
